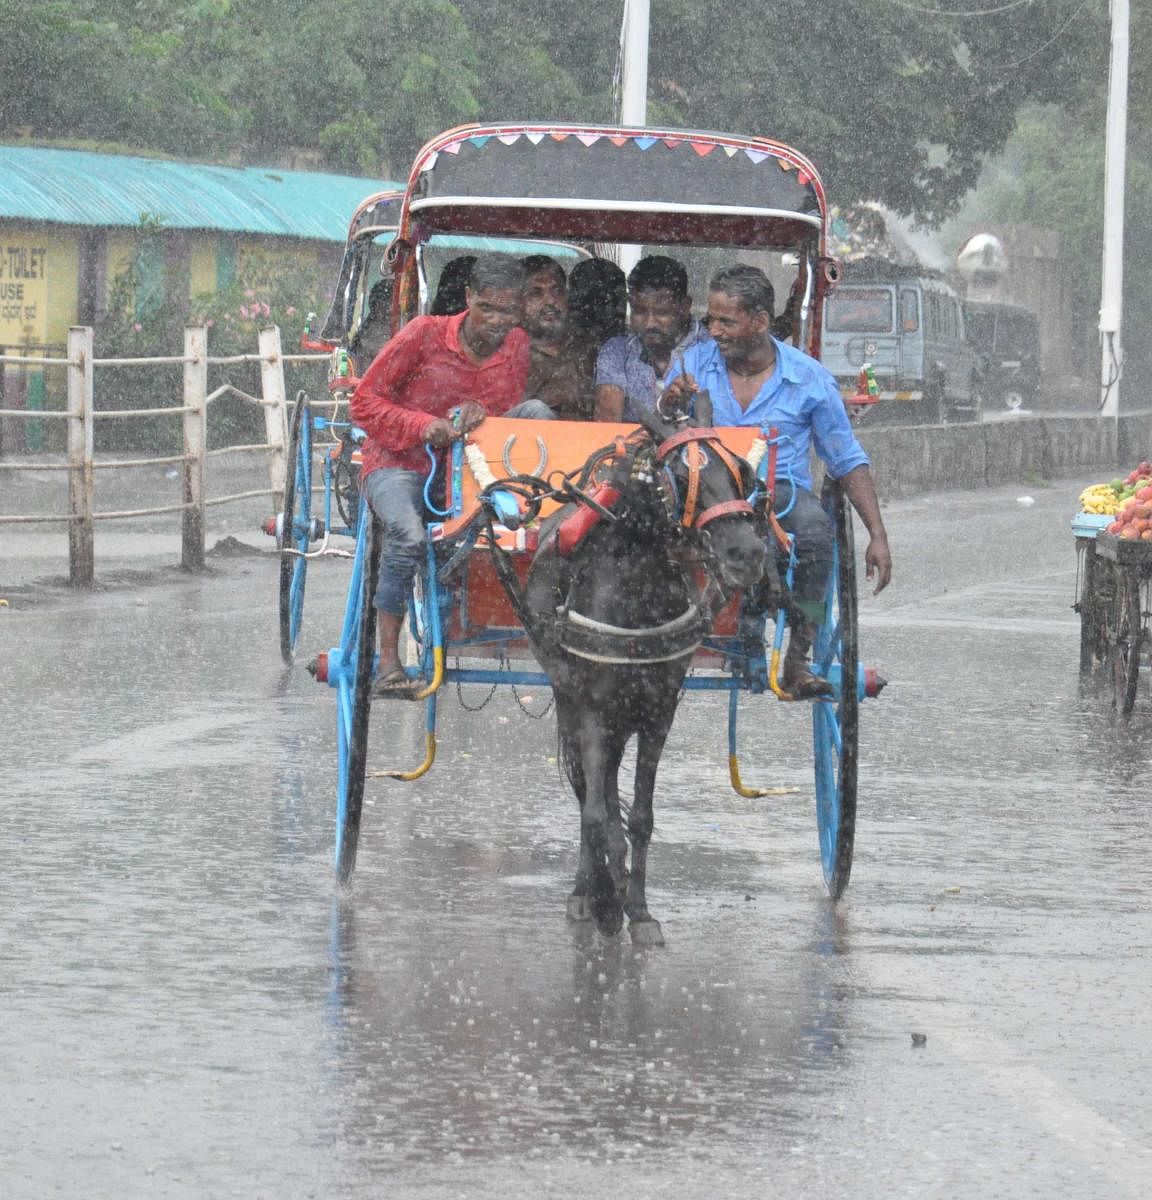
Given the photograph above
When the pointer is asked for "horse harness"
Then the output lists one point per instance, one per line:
(598, 641)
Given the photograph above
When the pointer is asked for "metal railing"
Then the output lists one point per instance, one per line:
(81, 416)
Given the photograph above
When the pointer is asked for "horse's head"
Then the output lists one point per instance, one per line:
(712, 487)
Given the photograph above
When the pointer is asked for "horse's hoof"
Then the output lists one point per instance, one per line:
(646, 933)
(579, 908)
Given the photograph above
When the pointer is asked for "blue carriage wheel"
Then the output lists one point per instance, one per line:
(836, 722)
(296, 527)
(353, 699)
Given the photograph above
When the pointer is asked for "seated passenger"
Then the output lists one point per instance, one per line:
(449, 298)
(597, 308)
(557, 375)
(477, 361)
(631, 370)
(376, 327)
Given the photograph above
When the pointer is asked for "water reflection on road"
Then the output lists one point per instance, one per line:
(191, 1009)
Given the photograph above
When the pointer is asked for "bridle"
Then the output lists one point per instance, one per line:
(695, 461)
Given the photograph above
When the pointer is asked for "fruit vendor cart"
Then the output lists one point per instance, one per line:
(1113, 533)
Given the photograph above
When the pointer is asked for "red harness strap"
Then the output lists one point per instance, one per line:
(723, 510)
(577, 525)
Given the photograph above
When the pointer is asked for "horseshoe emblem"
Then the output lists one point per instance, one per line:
(506, 456)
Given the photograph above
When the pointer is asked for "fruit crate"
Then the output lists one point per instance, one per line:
(1090, 525)
(1124, 551)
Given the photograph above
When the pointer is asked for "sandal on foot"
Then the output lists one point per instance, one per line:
(803, 685)
(395, 684)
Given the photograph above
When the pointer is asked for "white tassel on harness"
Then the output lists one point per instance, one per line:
(756, 452)
(481, 472)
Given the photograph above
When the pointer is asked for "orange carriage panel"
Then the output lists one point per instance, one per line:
(481, 602)
(567, 446)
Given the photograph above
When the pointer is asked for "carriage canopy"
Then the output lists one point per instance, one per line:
(599, 183)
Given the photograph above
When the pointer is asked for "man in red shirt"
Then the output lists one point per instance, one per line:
(476, 361)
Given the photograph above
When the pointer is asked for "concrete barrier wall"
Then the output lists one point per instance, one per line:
(927, 458)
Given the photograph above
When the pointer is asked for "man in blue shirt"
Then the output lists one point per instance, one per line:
(631, 370)
(753, 379)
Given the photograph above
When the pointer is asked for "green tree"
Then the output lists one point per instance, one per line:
(900, 101)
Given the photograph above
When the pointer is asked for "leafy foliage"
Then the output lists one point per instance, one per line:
(234, 318)
(900, 101)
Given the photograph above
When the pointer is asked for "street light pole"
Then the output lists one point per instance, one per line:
(634, 65)
(633, 87)
(1112, 282)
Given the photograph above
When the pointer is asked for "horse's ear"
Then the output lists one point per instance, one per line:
(653, 423)
(702, 409)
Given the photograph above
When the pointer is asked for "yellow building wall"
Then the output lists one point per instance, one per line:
(38, 271)
(202, 265)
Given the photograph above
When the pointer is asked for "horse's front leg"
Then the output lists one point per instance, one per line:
(644, 929)
(596, 832)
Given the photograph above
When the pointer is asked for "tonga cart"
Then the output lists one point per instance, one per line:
(1113, 535)
(358, 322)
(1114, 600)
(594, 185)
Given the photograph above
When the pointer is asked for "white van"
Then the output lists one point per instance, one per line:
(908, 324)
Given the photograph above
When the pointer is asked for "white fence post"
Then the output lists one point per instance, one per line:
(81, 565)
(275, 410)
(195, 444)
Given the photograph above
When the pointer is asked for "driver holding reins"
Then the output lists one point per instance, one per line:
(754, 379)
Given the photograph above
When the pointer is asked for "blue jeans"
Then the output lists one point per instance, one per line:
(396, 496)
(809, 525)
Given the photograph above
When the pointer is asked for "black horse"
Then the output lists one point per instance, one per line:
(619, 595)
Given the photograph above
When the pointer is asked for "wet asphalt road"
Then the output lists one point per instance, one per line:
(189, 1010)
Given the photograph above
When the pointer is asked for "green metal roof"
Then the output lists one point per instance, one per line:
(75, 187)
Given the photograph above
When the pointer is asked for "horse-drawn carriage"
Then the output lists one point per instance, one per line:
(515, 577)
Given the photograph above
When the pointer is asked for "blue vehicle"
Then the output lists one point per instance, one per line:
(908, 324)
